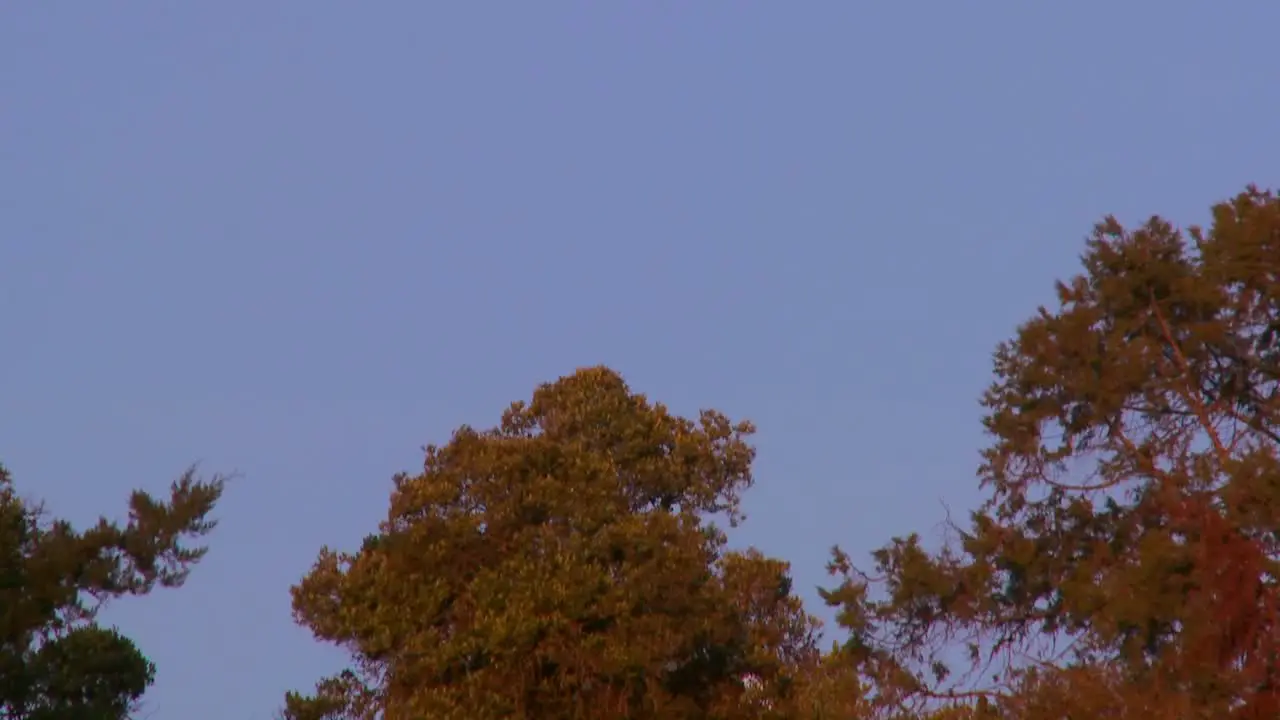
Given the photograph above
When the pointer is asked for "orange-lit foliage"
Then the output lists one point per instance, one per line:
(561, 565)
(1125, 563)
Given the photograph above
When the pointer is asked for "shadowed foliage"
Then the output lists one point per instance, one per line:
(562, 565)
(1124, 564)
(55, 662)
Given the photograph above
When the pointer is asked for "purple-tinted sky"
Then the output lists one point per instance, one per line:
(301, 240)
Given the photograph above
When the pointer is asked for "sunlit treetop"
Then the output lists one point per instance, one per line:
(1125, 561)
(562, 565)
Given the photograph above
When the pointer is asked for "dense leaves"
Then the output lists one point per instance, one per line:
(566, 563)
(55, 662)
(1123, 565)
(562, 565)
(1125, 562)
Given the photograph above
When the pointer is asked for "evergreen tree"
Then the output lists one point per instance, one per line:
(56, 663)
(1125, 562)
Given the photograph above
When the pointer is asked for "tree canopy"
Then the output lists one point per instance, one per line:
(570, 562)
(562, 564)
(1124, 563)
(56, 662)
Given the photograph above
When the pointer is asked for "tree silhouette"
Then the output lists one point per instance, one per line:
(56, 663)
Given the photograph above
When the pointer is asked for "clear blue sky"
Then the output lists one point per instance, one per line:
(301, 240)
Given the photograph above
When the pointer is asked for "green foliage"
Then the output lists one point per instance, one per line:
(88, 672)
(1125, 562)
(55, 662)
(561, 565)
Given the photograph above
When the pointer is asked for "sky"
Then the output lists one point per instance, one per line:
(299, 241)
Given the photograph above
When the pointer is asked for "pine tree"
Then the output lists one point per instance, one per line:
(56, 662)
(1125, 562)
